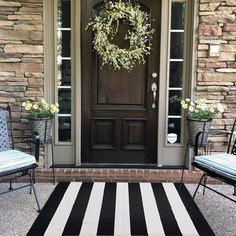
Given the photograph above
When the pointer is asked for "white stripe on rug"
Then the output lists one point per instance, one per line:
(92, 214)
(152, 216)
(182, 217)
(122, 214)
(58, 222)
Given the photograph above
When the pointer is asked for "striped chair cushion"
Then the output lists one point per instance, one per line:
(222, 163)
(13, 159)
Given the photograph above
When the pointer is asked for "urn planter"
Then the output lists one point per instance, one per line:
(200, 127)
(42, 126)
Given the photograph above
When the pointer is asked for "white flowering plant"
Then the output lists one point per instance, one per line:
(200, 109)
(40, 109)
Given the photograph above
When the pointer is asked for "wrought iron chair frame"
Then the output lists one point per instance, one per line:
(22, 171)
(217, 175)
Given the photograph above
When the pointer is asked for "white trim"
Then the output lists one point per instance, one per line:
(177, 31)
(64, 87)
(66, 58)
(77, 108)
(63, 29)
(175, 88)
(174, 116)
(64, 115)
(176, 60)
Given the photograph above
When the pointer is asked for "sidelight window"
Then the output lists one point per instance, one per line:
(175, 78)
(64, 70)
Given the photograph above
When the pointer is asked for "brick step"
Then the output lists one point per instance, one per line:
(116, 175)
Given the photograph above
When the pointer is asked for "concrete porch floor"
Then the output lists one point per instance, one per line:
(18, 209)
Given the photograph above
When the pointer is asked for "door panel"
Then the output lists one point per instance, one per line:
(119, 124)
(113, 88)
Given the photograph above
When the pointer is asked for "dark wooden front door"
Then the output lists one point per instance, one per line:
(119, 124)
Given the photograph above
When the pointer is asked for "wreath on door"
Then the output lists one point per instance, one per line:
(106, 25)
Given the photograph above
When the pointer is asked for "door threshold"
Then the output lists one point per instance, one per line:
(118, 166)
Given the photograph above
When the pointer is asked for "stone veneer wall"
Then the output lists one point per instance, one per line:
(216, 76)
(21, 58)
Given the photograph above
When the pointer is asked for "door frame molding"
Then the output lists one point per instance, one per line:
(76, 27)
(189, 71)
(49, 34)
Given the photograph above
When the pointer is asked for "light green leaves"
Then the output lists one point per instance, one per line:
(105, 27)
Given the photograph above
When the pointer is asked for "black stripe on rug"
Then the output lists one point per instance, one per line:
(107, 215)
(45, 216)
(137, 218)
(168, 220)
(195, 214)
(75, 220)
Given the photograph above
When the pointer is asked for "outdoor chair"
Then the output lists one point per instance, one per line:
(13, 163)
(221, 166)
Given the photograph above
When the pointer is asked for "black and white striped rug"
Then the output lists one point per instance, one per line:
(82, 208)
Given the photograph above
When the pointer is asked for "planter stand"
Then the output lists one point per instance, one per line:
(41, 128)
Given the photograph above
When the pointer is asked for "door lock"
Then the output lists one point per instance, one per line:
(154, 94)
(154, 75)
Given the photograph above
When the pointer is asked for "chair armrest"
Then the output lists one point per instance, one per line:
(37, 143)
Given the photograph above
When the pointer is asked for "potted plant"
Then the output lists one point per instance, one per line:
(40, 118)
(199, 117)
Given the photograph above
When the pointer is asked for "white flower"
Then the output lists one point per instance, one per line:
(27, 108)
(212, 110)
(35, 106)
(43, 101)
(201, 109)
(187, 100)
(40, 109)
(191, 108)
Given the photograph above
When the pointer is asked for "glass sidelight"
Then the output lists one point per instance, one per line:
(64, 70)
(175, 80)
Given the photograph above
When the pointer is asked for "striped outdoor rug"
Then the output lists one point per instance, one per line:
(120, 209)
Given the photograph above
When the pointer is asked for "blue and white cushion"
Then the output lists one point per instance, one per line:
(14, 159)
(222, 163)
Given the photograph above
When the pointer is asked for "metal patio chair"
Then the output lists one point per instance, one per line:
(13, 163)
(220, 166)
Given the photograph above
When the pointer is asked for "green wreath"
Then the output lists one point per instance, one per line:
(105, 27)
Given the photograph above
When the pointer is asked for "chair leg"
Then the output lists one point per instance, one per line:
(32, 187)
(11, 180)
(198, 185)
(184, 165)
(10, 187)
(53, 169)
(33, 179)
(204, 187)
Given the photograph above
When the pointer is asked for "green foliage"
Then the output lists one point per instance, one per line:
(105, 27)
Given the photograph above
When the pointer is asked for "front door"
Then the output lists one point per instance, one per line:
(119, 119)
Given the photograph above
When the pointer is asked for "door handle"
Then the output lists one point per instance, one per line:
(154, 94)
